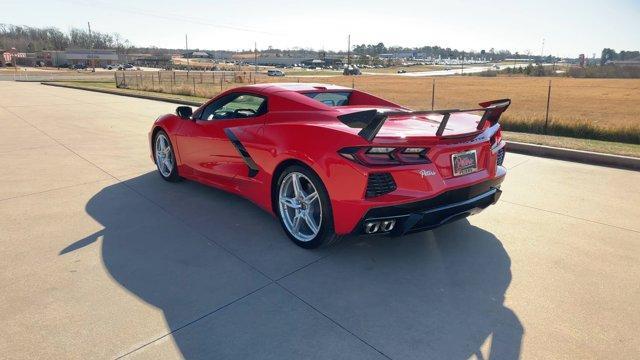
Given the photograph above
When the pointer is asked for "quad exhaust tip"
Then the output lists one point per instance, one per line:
(387, 225)
(373, 227)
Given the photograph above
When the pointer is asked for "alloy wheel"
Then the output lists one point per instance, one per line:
(164, 158)
(300, 206)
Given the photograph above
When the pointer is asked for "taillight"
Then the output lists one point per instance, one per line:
(496, 138)
(383, 156)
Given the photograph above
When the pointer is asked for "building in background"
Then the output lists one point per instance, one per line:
(5, 57)
(96, 57)
(156, 60)
(629, 62)
(52, 57)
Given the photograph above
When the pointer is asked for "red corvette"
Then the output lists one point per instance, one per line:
(330, 161)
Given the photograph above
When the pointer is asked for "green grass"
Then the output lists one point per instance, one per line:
(112, 87)
(606, 147)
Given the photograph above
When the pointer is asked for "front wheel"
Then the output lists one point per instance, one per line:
(304, 209)
(165, 158)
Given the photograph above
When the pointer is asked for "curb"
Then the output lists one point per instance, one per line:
(23, 80)
(586, 157)
(113, 92)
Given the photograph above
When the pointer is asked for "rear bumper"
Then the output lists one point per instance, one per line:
(430, 213)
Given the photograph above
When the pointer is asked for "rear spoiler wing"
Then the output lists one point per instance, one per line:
(371, 121)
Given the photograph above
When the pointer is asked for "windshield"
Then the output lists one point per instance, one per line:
(333, 98)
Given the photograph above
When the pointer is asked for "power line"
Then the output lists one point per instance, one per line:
(178, 18)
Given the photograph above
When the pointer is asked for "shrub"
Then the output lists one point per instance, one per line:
(605, 71)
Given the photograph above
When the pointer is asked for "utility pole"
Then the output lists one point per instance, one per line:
(349, 50)
(93, 63)
(255, 56)
(186, 46)
(542, 51)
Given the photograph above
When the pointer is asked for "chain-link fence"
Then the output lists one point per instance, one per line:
(192, 83)
(605, 109)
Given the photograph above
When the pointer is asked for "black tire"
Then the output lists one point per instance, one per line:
(172, 176)
(326, 234)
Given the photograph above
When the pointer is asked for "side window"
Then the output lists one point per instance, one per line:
(331, 98)
(235, 106)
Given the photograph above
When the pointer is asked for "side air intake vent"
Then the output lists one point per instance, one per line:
(380, 184)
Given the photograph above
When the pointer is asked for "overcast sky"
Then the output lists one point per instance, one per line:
(568, 27)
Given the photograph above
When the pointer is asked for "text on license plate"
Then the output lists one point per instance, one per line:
(464, 163)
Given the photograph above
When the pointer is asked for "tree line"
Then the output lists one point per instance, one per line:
(611, 55)
(431, 51)
(31, 39)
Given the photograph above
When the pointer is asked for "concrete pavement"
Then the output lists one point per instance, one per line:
(103, 259)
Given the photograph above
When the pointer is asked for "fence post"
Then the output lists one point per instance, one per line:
(433, 93)
(546, 118)
(201, 78)
(221, 79)
(124, 79)
(159, 78)
(353, 82)
(153, 83)
(194, 86)
(115, 78)
(174, 78)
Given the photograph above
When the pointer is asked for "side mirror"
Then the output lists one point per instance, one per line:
(184, 112)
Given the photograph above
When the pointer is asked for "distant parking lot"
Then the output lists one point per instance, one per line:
(103, 259)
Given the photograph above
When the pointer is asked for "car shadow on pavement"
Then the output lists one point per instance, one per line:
(437, 294)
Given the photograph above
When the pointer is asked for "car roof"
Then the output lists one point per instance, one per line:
(297, 87)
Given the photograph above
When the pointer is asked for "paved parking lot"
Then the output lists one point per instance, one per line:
(100, 258)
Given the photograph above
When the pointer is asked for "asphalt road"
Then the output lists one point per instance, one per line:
(100, 258)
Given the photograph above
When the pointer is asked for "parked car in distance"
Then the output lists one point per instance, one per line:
(351, 70)
(329, 161)
(402, 71)
(275, 72)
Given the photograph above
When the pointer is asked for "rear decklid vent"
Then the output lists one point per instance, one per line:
(380, 184)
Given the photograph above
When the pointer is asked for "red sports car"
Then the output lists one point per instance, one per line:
(330, 161)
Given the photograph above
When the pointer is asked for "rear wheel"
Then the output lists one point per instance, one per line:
(165, 158)
(304, 209)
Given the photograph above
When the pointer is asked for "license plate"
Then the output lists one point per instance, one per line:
(464, 163)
